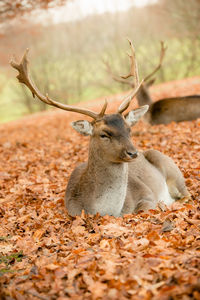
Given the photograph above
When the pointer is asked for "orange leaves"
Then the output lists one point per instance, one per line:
(38, 234)
(26, 244)
(15, 8)
(52, 266)
(97, 289)
(151, 255)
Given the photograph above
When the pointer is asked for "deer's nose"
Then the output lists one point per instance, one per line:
(132, 154)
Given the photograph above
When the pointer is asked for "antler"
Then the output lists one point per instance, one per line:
(24, 77)
(114, 76)
(163, 49)
(133, 72)
(130, 83)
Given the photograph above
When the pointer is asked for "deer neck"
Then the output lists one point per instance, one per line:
(108, 183)
(143, 96)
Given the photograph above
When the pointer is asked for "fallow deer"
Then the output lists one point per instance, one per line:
(116, 179)
(165, 110)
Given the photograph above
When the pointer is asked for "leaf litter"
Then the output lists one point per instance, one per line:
(46, 254)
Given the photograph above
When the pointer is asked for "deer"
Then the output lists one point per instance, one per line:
(117, 179)
(166, 110)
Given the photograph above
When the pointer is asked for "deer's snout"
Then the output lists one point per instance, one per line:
(132, 154)
(129, 152)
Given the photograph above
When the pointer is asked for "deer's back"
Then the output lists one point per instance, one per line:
(176, 109)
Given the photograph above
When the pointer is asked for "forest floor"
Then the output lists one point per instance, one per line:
(46, 254)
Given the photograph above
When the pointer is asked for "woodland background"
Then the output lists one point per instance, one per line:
(66, 57)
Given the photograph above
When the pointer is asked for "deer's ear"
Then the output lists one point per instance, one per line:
(134, 115)
(83, 127)
(150, 82)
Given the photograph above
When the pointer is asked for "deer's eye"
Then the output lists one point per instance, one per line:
(104, 136)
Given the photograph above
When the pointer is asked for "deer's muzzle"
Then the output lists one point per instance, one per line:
(132, 154)
(129, 153)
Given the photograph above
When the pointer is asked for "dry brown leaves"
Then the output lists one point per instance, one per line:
(46, 254)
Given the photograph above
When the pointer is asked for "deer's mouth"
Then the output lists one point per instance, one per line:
(128, 159)
(128, 156)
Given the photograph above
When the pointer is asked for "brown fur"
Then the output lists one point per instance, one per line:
(167, 110)
(111, 182)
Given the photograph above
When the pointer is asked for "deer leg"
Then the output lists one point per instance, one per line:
(177, 188)
(144, 205)
(172, 174)
(139, 197)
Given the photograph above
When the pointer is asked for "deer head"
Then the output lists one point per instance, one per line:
(109, 133)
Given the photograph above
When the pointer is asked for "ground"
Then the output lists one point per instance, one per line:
(46, 254)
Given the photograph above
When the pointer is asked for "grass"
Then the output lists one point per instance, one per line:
(9, 260)
(10, 107)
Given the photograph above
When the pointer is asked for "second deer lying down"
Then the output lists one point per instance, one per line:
(164, 110)
(116, 179)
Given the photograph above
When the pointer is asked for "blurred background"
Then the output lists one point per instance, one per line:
(71, 40)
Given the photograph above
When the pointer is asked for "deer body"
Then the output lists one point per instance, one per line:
(167, 110)
(116, 184)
